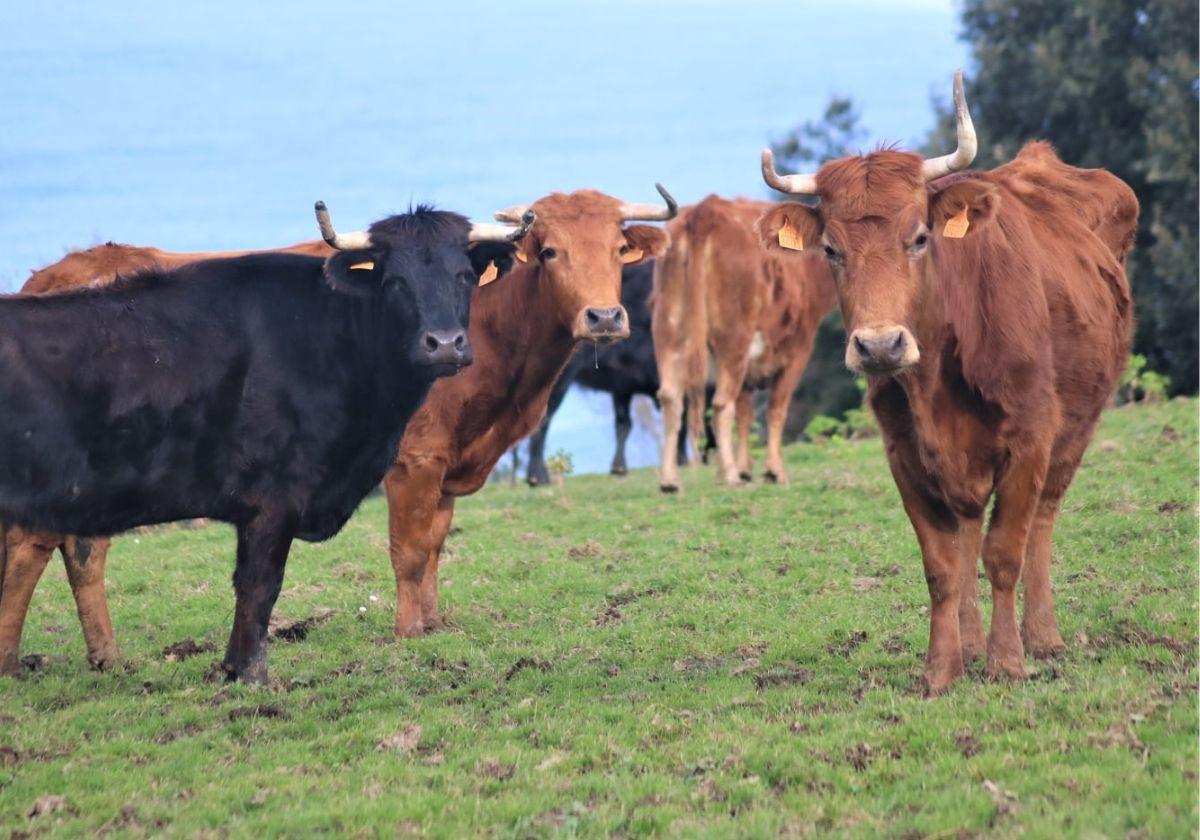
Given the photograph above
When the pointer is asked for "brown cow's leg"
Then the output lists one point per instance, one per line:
(262, 552)
(730, 376)
(777, 413)
(670, 400)
(1017, 495)
(430, 615)
(414, 491)
(1039, 629)
(745, 419)
(85, 560)
(970, 621)
(27, 553)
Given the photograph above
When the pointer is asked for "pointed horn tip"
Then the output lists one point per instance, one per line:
(320, 207)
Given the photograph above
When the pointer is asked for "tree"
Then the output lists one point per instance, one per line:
(1112, 84)
(827, 387)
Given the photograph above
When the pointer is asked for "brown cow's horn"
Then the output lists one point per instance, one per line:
(487, 232)
(342, 241)
(967, 143)
(802, 184)
(514, 215)
(651, 212)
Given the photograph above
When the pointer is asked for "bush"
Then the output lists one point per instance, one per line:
(1139, 384)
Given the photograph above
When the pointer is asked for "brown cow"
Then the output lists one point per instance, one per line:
(24, 554)
(992, 316)
(718, 295)
(565, 288)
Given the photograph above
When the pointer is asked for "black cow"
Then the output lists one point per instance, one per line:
(624, 370)
(268, 391)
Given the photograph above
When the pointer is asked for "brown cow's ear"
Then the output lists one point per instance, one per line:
(651, 241)
(789, 228)
(961, 208)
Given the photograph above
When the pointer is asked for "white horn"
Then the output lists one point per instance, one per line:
(488, 232)
(342, 241)
(802, 184)
(651, 212)
(967, 143)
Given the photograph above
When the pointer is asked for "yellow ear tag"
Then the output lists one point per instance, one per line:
(632, 255)
(790, 238)
(956, 226)
(489, 274)
(362, 266)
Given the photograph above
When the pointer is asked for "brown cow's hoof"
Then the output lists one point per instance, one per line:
(745, 477)
(1046, 644)
(435, 624)
(1004, 668)
(669, 488)
(10, 663)
(416, 631)
(618, 470)
(973, 651)
(105, 658)
(937, 681)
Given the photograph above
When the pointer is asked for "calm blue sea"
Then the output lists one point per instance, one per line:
(215, 125)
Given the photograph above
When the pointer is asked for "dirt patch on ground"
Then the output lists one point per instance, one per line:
(845, 647)
(286, 630)
(790, 676)
(262, 710)
(186, 649)
(525, 663)
(967, 743)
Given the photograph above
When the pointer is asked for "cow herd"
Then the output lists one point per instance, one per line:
(272, 390)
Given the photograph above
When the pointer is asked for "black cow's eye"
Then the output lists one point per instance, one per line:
(547, 254)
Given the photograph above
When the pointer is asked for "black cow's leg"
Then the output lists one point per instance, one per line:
(538, 474)
(624, 423)
(262, 552)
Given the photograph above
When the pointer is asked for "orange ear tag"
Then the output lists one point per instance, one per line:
(632, 255)
(956, 226)
(362, 266)
(520, 255)
(790, 238)
(489, 274)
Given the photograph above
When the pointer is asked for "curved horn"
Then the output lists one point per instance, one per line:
(342, 241)
(802, 184)
(651, 212)
(967, 143)
(513, 215)
(487, 232)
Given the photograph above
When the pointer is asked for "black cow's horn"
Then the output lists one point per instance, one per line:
(487, 232)
(651, 212)
(342, 241)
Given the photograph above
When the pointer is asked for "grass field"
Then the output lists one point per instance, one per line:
(724, 663)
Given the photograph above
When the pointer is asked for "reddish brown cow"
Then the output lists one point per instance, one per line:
(565, 288)
(718, 295)
(991, 314)
(24, 554)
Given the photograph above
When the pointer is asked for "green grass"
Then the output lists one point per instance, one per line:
(624, 663)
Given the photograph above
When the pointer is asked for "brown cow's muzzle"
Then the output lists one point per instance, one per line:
(603, 325)
(879, 351)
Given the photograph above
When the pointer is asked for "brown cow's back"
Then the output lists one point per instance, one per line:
(103, 263)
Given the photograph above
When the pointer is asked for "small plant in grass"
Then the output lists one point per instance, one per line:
(1140, 385)
(560, 466)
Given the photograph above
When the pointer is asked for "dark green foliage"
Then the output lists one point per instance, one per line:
(1112, 84)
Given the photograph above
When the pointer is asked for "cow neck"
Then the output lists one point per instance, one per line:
(531, 346)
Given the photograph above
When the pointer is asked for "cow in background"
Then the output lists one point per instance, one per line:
(269, 391)
(991, 314)
(623, 370)
(565, 288)
(720, 297)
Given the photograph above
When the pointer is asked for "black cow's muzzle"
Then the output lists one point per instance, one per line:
(444, 348)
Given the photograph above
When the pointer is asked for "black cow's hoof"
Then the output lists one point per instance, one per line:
(746, 477)
(770, 477)
(618, 469)
(669, 488)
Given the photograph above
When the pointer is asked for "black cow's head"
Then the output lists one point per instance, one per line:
(421, 266)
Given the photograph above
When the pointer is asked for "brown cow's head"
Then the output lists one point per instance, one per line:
(578, 243)
(877, 221)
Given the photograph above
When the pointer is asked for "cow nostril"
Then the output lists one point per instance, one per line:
(431, 342)
(460, 341)
(898, 341)
(592, 317)
(861, 347)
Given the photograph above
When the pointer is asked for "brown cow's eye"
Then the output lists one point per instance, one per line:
(918, 244)
(623, 250)
(547, 254)
(832, 254)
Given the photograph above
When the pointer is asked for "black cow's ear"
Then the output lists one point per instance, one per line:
(352, 272)
(491, 260)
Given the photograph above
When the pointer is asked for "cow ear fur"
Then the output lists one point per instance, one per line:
(348, 272)
(651, 241)
(980, 199)
(484, 254)
(790, 228)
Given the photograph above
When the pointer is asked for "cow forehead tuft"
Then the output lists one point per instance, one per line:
(422, 225)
